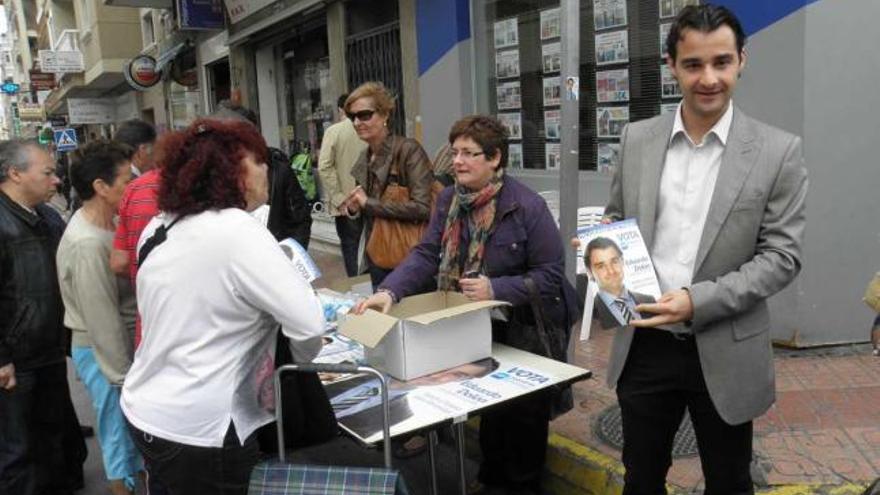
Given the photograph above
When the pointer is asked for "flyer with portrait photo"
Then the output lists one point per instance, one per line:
(620, 274)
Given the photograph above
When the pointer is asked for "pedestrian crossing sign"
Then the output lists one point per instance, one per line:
(65, 139)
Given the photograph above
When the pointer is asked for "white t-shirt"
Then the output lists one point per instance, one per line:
(207, 298)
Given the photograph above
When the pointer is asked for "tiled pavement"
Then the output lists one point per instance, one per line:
(823, 430)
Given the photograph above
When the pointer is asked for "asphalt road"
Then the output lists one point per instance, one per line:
(342, 451)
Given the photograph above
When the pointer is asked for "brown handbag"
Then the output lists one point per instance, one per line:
(392, 239)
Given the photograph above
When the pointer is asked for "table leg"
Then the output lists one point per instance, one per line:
(432, 460)
(459, 441)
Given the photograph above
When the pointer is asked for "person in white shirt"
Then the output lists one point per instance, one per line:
(210, 295)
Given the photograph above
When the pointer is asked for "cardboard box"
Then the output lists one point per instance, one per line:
(360, 285)
(424, 334)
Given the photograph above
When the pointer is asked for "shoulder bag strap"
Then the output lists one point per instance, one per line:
(158, 237)
(538, 311)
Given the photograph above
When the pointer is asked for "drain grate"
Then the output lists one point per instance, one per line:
(609, 429)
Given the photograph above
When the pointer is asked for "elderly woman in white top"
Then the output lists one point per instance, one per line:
(209, 296)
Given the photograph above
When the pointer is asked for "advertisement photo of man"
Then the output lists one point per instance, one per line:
(614, 305)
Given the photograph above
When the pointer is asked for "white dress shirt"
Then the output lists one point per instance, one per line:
(686, 188)
(208, 297)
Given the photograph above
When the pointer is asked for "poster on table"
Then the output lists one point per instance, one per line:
(508, 95)
(550, 26)
(671, 8)
(513, 123)
(506, 33)
(357, 403)
(664, 33)
(668, 84)
(609, 13)
(610, 121)
(551, 57)
(620, 274)
(552, 121)
(515, 155)
(552, 90)
(612, 86)
(507, 64)
(612, 48)
(552, 155)
(607, 156)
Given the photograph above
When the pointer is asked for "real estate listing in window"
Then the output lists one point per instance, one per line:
(609, 14)
(668, 84)
(513, 123)
(551, 91)
(551, 124)
(506, 33)
(610, 121)
(607, 157)
(550, 57)
(612, 86)
(515, 155)
(550, 27)
(507, 64)
(508, 95)
(551, 150)
(612, 48)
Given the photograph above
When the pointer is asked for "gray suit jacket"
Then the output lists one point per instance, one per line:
(750, 249)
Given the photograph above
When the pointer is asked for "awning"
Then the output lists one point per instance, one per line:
(301, 6)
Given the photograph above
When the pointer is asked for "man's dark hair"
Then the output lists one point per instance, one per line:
(134, 133)
(99, 160)
(600, 243)
(340, 102)
(705, 19)
(14, 154)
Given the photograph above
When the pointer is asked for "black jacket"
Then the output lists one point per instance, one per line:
(31, 311)
(290, 214)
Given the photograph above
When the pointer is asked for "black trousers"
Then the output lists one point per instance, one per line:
(41, 445)
(662, 377)
(349, 232)
(185, 469)
(513, 441)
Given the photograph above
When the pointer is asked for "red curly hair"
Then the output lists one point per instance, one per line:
(201, 165)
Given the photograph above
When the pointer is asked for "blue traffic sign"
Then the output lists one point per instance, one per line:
(65, 139)
(10, 88)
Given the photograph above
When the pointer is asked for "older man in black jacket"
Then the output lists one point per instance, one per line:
(34, 394)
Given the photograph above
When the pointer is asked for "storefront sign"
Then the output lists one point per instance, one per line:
(10, 87)
(239, 9)
(61, 61)
(31, 111)
(59, 121)
(42, 81)
(141, 73)
(200, 14)
(91, 110)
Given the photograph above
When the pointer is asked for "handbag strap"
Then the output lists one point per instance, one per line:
(538, 311)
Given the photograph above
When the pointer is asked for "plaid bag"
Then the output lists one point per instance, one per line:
(277, 478)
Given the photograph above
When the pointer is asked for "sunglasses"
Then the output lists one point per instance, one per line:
(363, 115)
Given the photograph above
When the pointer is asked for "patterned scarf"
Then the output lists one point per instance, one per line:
(478, 207)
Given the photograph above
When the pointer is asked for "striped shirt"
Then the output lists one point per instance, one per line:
(138, 206)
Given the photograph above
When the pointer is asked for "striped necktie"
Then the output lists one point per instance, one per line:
(623, 309)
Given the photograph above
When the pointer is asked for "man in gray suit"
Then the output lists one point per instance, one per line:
(719, 198)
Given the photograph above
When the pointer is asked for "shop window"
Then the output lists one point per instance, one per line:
(621, 78)
(309, 101)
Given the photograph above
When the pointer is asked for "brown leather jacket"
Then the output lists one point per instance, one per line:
(415, 173)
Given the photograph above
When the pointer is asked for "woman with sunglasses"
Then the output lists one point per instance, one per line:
(370, 107)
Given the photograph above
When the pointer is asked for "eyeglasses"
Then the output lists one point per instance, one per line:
(466, 154)
(363, 115)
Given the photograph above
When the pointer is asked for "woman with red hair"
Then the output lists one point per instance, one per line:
(211, 283)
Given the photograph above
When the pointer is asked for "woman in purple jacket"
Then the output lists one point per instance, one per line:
(486, 233)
